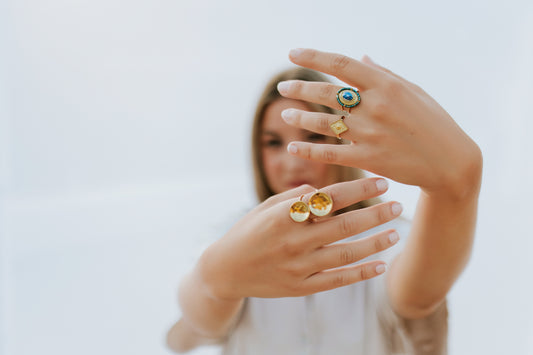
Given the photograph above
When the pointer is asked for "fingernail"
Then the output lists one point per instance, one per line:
(283, 87)
(382, 185)
(381, 268)
(394, 237)
(295, 53)
(292, 148)
(396, 208)
(288, 115)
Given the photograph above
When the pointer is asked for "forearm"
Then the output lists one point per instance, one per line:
(438, 247)
(205, 318)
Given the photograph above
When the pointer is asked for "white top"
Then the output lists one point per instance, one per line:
(355, 319)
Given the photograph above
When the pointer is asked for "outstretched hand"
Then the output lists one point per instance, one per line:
(267, 254)
(397, 130)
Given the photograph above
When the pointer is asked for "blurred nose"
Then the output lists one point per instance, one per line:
(294, 164)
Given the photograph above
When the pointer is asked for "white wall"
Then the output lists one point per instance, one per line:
(116, 116)
(5, 118)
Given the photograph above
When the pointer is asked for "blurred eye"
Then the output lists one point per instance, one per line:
(316, 137)
(272, 143)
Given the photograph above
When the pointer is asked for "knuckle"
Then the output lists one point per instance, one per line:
(323, 124)
(329, 156)
(347, 255)
(381, 109)
(365, 275)
(293, 288)
(367, 188)
(373, 135)
(382, 214)
(295, 270)
(340, 62)
(339, 280)
(290, 248)
(309, 153)
(347, 226)
(378, 244)
(393, 88)
(326, 91)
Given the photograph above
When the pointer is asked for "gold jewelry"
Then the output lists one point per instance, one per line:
(348, 98)
(320, 204)
(299, 211)
(338, 127)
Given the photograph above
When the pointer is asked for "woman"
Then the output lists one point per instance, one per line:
(397, 131)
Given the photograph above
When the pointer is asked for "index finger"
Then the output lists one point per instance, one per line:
(347, 69)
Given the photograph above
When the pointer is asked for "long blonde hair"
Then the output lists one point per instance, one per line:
(271, 94)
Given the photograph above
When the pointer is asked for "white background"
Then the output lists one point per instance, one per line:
(124, 139)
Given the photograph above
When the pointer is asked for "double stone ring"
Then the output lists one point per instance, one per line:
(320, 204)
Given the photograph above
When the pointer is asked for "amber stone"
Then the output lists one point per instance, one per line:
(299, 211)
(320, 204)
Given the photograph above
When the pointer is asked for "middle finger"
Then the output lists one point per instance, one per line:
(318, 92)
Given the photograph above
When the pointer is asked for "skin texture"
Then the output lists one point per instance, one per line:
(397, 131)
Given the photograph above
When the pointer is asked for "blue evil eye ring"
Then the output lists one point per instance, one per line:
(348, 97)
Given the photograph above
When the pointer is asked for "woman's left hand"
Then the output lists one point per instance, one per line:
(397, 130)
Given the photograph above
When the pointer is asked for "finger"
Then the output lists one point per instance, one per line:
(330, 279)
(341, 254)
(345, 68)
(344, 194)
(318, 92)
(318, 122)
(368, 61)
(286, 195)
(340, 154)
(329, 230)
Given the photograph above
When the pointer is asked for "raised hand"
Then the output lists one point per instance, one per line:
(397, 130)
(267, 254)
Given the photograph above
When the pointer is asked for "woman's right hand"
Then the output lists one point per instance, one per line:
(267, 254)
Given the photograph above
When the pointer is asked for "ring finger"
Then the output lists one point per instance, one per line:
(318, 122)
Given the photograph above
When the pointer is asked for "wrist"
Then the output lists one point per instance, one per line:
(463, 181)
(213, 280)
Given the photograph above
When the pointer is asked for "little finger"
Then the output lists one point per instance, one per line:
(341, 254)
(330, 279)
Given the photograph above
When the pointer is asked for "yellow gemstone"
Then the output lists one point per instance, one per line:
(299, 211)
(320, 204)
(338, 127)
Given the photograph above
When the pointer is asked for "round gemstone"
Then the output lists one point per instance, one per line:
(347, 96)
(299, 211)
(320, 204)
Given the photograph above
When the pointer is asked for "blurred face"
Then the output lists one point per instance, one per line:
(284, 171)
